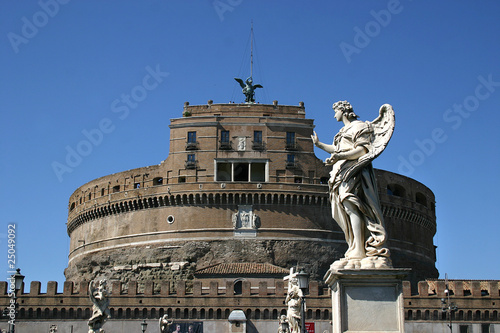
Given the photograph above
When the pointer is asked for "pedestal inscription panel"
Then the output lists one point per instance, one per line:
(362, 302)
(366, 300)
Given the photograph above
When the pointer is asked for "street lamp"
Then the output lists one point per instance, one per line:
(144, 326)
(16, 281)
(447, 306)
(303, 281)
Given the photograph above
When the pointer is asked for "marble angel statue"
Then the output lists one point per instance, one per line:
(98, 294)
(165, 324)
(293, 300)
(352, 186)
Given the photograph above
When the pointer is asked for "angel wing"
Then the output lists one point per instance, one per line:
(258, 86)
(383, 127)
(240, 81)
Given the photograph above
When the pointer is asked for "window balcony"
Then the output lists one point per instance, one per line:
(225, 145)
(191, 164)
(258, 145)
(192, 146)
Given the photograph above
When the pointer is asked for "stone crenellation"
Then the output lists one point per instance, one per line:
(476, 300)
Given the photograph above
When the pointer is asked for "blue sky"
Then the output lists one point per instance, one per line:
(68, 66)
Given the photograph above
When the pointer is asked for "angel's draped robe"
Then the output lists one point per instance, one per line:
(359, 188)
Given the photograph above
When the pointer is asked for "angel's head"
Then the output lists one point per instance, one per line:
(344, 108)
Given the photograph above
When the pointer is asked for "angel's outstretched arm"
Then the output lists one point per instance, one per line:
(328, 148)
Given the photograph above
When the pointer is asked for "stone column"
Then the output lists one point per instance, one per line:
(367, 300)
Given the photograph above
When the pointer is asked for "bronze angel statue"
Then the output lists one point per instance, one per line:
(352, 185)
(248, 89)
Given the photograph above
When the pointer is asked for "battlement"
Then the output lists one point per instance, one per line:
(259, 300)
(163, 288)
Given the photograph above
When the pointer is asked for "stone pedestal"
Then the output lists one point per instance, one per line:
(367, 300)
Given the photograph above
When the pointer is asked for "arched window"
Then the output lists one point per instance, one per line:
(238, 287)
(396, 190)
(257, 314)
(421, 199)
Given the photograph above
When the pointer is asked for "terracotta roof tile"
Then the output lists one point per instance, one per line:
(241, 268)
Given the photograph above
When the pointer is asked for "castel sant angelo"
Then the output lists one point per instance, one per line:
(207, 235)
(241, 185)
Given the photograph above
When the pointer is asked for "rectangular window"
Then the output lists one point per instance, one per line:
(116, 188)
(485, 328)
(223, 172)
(258, 172)
(290, 158)
(290, 141)
(257, 136)
(191, 137)
(241, 171)
(137, 185)
(224, 136)
(191, 161)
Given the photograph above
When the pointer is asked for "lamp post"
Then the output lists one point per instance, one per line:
(144, 326)
(303, 280)
(447, 306)
(16, 282)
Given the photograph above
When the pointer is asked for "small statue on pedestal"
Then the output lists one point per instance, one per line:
(165, 324)
(353, 188)
(294, 302)
(98, 294)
